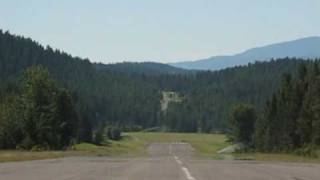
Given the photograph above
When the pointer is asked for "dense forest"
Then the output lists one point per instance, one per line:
(209, 96)
(98, 95)
(146, 68)
(128, 95)
(289, 121)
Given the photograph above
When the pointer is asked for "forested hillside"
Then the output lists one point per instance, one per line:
(130, 94)
(100, 96)
(209, 96)
(144, 68)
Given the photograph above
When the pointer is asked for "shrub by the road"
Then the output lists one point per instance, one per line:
(114, 133)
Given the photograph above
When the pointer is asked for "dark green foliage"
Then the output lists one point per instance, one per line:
(209, 96)
(39, 115)
(242, 121)
(99, 134)
(144, 68)
(65, 117)
(178, 118)
(131, 128)
(129, 94)
(114, 133)
(291, 119)
(309, 119)
(85, 132)
(10, 123)
(105, 94)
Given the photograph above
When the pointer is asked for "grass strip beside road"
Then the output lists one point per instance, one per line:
(276, 157)
(125, 147)
(204, 144)
(134, 144)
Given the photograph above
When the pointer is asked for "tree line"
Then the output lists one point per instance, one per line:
(38, 115)
(290, 119)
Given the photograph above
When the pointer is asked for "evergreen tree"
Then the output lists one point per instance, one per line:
(242, 122)
(291, 120)
(99, 134)
(85, 129)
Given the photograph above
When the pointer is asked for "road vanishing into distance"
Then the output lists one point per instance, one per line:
(165, 161)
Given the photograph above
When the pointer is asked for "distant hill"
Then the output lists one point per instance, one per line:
(301, 48)
(147, 68)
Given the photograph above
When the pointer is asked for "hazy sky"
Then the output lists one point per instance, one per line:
(159, 30)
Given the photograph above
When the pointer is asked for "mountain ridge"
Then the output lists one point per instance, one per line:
(307, 48)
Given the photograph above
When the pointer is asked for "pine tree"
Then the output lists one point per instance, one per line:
(242, 120)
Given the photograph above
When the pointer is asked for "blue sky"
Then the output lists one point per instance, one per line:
(159, 30)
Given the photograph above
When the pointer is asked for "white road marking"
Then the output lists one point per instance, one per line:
(184, 169)
(187, 173)
(179, 162)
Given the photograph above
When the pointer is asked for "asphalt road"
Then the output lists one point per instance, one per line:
(166, 161)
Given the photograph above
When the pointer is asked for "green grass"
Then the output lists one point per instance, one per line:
(283, 157)
(15, 155)
(134, 144)
(279, 157)
(127, 146)
(208, 144)
(204, 144)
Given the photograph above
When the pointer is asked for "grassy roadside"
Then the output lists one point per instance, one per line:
(15, 155)
(134, 144)
(276, 157)
(126, 147)
(207, 145)
(204, 144)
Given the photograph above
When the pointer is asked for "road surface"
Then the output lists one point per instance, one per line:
(166, 161)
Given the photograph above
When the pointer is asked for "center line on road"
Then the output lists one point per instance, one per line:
(184, 169)
(187, 173)
(178, 161)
